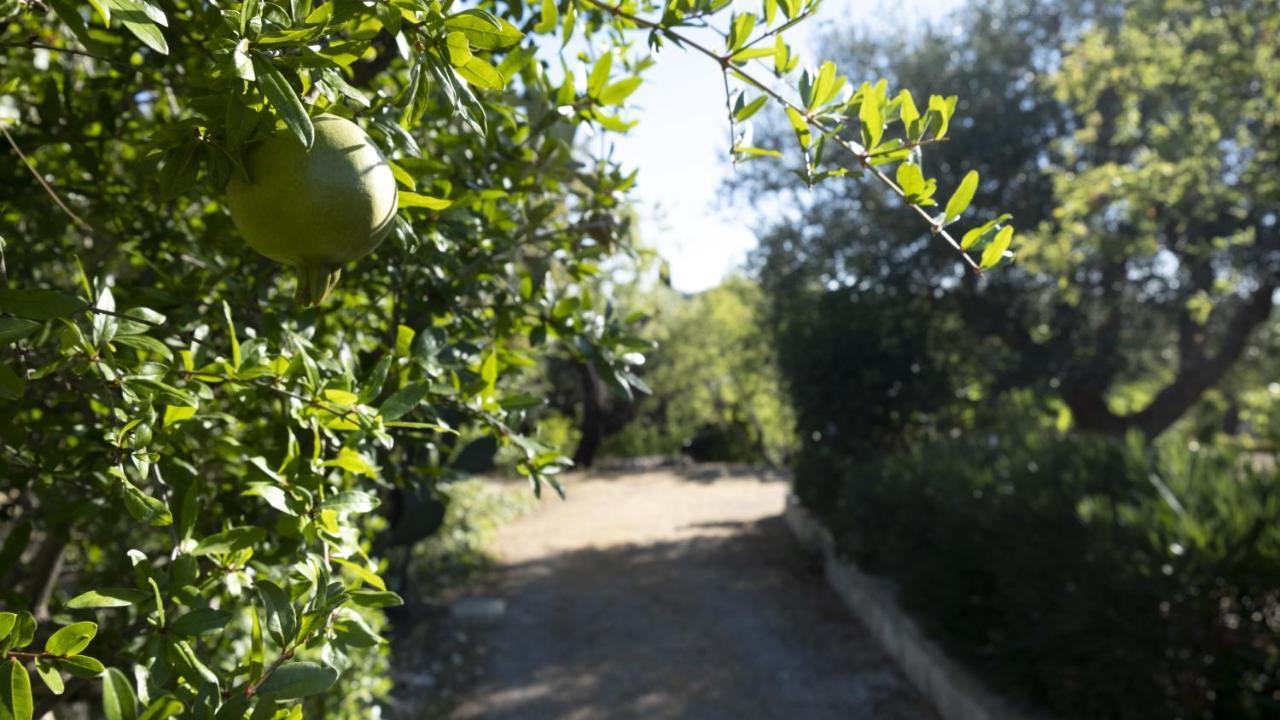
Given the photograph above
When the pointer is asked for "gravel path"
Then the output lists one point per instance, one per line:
(674, 594)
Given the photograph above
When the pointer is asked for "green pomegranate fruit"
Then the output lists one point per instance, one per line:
(315, 210)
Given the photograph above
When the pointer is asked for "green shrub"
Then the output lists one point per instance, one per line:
(1093, 577)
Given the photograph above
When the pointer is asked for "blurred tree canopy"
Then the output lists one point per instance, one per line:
(1142, 186)
(715, 393)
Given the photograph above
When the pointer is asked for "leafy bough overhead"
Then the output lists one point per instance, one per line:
(198, 468)
(825, 107)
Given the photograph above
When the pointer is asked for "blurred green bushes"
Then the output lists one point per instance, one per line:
(715, 393)
(716, 390)
(1093, 576)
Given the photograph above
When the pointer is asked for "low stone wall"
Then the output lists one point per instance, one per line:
(955, 694)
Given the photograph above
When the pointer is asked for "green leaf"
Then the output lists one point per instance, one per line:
(599, 74)
(364, 573)
(994, 252)
(49, 674)
(282, 619)
(104, 11)
(352, 462)
(82, 666)
(481, 74)
(14, 329)
(242, 62)
(165, 706)
(145, 508)
(403, 401)
(275, 496)
(618, 92)
(485, 33)
(406, 199)
(459, 49)
(489, 368)
(943, 109)
(201, 621)
(118, 699)
(402, 176)
(189, 666)
(107, 598)
(871, 117)
(15, 692)
(352, 631)
(166, 392)
(231, 540)
(826, 85)
(174, 414)
(801, 126)
(550, 17)
(298, 680)
(7, 621)
(961, 198)
(910, 179)
(39, 304)
(24, 631)
(141, 19)
(749, 54)
(256, 650)
(70, 640)
(145, 343)
(351, 501)
(983, 232)
(159, 600)
(740, 30)
(12, 385)
(231, 336)
(907, 110)
(374, 599)
(750, 109)
(284, 100)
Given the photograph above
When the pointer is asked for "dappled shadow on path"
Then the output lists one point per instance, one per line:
(732, 623)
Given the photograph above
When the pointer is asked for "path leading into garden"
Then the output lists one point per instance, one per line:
(674, 594)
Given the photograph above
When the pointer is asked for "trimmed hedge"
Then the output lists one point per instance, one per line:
(1091, 577)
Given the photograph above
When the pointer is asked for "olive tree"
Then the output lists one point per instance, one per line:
(191, 461)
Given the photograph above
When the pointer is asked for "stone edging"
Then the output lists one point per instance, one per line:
(952, 691)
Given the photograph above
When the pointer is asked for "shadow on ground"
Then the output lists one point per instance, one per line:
(732, 623)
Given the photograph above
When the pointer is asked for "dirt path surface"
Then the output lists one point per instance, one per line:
(674, 594)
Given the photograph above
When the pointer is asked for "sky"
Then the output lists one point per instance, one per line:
(681, 147)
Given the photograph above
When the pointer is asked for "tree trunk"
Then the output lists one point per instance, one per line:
(592, 426)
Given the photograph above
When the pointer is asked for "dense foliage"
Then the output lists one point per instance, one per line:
(714, 390)
(193, 464)
(1090, 577)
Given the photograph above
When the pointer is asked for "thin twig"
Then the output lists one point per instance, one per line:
(73, 51)
(864, 158)
(36, 174)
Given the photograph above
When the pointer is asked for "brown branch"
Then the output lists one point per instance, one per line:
(1186, 388)
(36, 174)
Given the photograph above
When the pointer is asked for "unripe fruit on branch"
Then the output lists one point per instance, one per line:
(315, 210)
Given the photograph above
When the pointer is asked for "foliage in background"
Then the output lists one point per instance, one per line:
(1091, 577)
(714, 393)
(458, 552)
